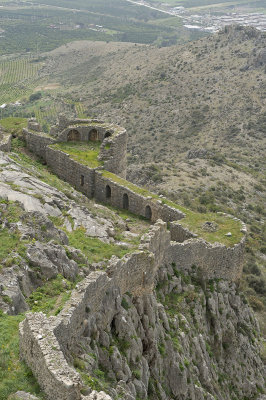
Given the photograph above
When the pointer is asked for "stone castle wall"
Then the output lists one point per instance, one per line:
(135, 203)
(114, 154)
(78, 175)
(37, 143)
(113, 151)
(5, 142)
(47, 343)
(213, 260)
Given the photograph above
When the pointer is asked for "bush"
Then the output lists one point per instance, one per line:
(257, 283)
(35, 96)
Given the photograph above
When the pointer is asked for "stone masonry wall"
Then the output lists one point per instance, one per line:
(179, 233)
(137, 203)
(46, 343)
(41, 350)
(71, 171)
(5, 142)
(37, 143)
(114, 154)
(213, 260)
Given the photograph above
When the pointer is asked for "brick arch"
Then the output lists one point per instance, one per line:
(73, 136)
(93, 135)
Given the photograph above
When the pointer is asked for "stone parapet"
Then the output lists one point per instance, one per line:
(78, 175)
(37, 142)
(179, 233)
(41, 350)
(47, 343)
(5, 142)
(212, 260)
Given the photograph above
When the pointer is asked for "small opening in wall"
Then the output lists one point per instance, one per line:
(93, 135)
(107, 134)
(148, 213)
(81, 180)
(125, 201)
(73, 136)
(108, 192)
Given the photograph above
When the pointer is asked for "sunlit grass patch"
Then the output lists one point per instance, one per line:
(13, 125)
(85, 153)
(14, 374)
(93, 248)
(51, 297)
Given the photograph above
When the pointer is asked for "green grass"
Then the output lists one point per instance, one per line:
(14, 374)
(17, 78)
(85, 153)
(9, 242)
(51, 297)
(94, 249)
(193, 220)
(13, 125)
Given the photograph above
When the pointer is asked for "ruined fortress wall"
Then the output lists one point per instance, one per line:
(5, 142)
(41, 350)
(46, 343)
(136, 203)
(115, 158)
(134, 273)
(213, 260)
(179, 233)
(37, 143)
(78, 175)
(84, 132)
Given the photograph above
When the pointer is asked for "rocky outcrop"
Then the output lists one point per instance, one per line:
(190, 338)
(178, 341)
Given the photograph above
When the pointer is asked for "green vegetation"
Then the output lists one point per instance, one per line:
(10, 241)
(43, 28)
(93, 248)
(17, 78)
(193, 220)
(13, 125)
(51, 297)
(85, 153)
(14, 374)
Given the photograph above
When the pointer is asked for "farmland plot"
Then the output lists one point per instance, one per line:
(17, 77)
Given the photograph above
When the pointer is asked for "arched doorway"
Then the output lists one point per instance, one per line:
(148, 213)
(108, 192)
(73, 136)
(125, 201)
(107, 134)
(93, 135)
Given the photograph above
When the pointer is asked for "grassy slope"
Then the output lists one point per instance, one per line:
(172, 100)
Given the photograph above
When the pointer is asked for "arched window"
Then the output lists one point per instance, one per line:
(107, 134)
(108, 192)
(93, 135)
(148, 213)
(125, 201)
(73, 136)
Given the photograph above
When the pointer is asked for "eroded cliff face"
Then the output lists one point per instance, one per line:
(190, 339)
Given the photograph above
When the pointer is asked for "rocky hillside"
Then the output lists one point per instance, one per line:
(195, 115)
(189, 339)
